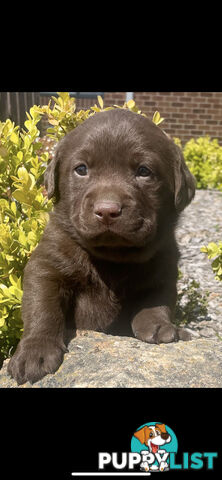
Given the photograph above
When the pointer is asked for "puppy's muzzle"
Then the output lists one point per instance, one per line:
(107, 212)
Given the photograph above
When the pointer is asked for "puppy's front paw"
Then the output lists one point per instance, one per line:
(35, 358)
(157, 330)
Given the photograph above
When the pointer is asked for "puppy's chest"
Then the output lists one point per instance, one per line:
(103, 294)
(112, 288)
(98, 300)
(96, 306)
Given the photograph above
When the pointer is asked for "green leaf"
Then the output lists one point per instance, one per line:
(20, 155)
(212, 249)
(27, 179)
(3, 203)
(2, 322)
(16, 293)
(95, 108)
(13, 279)
(64, 96)
(28, 124)
(32, 238)
(100, 101)
(31, 181)
(13, 208)
(34, 113)
(14, 138)
(5, 291)
(27, 142)
(131, 104)
(204, 249)
(23, 174)
(157, 119)
(22, 238)
(20, 196)
(219, 272)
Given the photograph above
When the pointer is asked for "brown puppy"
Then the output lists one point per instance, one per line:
(108, 254)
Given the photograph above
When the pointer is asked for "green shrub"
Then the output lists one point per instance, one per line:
(64, 118)
(191, 303)
(214, 251)
(204, 159)
(23, 216)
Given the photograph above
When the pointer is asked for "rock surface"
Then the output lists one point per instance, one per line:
(98, 360)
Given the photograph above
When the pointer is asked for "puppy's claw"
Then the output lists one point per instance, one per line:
(31, 362)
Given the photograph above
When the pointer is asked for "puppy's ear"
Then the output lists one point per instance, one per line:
(51, 173)
(184, 181)
(161, 427)
(140, 434)
(49, 178)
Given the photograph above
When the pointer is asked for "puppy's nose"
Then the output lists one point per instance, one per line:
(164, 436)
(107, 212)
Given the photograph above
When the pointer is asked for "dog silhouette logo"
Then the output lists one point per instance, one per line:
(154, 441)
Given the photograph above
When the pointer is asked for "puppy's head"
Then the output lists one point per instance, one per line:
(153, 436)
(119, 184)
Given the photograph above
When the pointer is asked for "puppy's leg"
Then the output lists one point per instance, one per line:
(41, 348)
(153, 321)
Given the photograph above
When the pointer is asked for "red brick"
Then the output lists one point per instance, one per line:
(198, 110)
(205, 116)
(178, 115)
(186, 113)
(212, 110)
(177, 104)
(197, 132)
(188, 99)
(205, 105)
(206, 94)
(149, 103)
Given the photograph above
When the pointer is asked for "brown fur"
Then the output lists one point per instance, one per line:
(145, 433)
(108, 256)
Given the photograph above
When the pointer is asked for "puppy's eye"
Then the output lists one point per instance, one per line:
(81, 170)
(151, 434)
(143, 171)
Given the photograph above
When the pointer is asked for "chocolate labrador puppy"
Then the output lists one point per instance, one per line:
(108, 255)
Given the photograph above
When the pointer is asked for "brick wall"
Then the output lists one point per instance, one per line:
(111, 98)
(187, 114)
